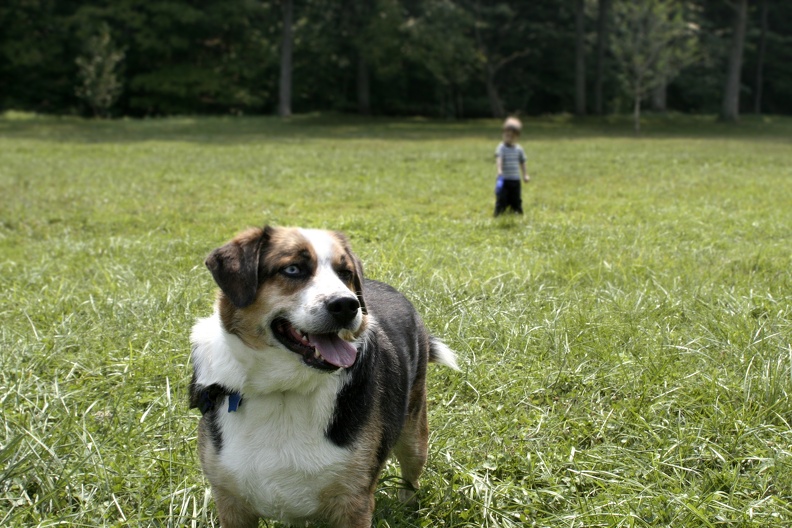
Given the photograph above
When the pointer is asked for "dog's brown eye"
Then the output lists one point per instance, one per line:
(345, 275)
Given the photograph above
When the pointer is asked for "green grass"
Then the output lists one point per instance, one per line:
(626, 346)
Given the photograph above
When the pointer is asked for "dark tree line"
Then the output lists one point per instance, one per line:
(449, 58)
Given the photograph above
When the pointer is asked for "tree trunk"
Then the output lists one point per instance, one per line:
(580, 59)
(730, 110)
(284, 104)
(355, 16)
(760, 59)
(363, 87)
(496, 105)
(602, 39)
(637, 112)
(659, 99)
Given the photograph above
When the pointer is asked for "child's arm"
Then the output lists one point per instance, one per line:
(499, 164)
(525, 176)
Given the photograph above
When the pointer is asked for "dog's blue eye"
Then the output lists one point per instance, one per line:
(292, 271)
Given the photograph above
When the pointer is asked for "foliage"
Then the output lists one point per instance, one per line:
(380, 37)
(651, 42)
(439, 39)
(203, 65)
(430, 57)
(625, 346)
(37, 68)
(100, 84)
(500, 42)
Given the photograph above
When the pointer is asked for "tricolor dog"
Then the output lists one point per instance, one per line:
(307, 376)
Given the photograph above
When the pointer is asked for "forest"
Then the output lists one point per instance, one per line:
(435, 58)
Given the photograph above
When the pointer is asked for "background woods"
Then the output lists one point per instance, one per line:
(443, 58)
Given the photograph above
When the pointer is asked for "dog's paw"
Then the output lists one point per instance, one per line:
(408, 496)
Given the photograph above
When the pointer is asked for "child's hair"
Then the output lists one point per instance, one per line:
(513, 124)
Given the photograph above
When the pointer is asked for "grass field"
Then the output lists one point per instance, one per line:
(626, 346)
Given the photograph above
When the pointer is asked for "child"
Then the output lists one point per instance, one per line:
(510, 162)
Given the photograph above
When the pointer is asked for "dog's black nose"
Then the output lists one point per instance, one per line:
(343, 309)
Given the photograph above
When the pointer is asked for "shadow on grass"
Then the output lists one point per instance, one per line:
(236, 130)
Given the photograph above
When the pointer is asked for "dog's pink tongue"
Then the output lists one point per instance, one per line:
(334, 350)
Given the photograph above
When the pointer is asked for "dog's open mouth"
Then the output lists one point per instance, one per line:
(322, 351)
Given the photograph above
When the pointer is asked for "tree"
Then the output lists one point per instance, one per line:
(730, 108)
(361, 11)
(287, 38)
(501, 39)
(760, 57)
(100, 83)
(651, 43)
(37, 56)
(396, 57)
(179, 59)
(442, 40)
(602, 40)
(363, 86)
(659, 97)
(377, 39)
(580, 57)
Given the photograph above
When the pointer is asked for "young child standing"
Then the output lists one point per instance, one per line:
(510, 162)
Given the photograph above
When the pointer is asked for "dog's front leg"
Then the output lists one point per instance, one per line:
(361, 520)
(352, 512)
(232, 511)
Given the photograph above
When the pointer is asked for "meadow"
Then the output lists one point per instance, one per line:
(625, 346)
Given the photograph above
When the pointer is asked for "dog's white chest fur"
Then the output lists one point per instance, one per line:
(275, 448)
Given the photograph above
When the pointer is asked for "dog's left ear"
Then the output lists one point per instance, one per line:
(235, 266)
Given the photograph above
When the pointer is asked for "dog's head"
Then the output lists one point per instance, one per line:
(296, 289)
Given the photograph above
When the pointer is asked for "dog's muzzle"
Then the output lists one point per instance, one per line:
(322, 350)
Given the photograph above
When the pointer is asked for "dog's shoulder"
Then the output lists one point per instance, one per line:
(391, 308)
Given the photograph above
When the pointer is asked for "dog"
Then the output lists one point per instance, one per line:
(308, 376)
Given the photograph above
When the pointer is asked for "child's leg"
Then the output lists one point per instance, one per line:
(515, 196)
(517, 203)
(501, 201)
(510, 196)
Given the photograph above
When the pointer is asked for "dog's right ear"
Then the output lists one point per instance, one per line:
(358, 282)
(235, 266)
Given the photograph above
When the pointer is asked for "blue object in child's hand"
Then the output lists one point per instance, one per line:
(499, 184)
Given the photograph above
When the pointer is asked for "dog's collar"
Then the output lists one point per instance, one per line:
(234, 401)
(210, 396)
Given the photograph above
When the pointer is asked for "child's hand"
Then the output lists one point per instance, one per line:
(527, 178)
